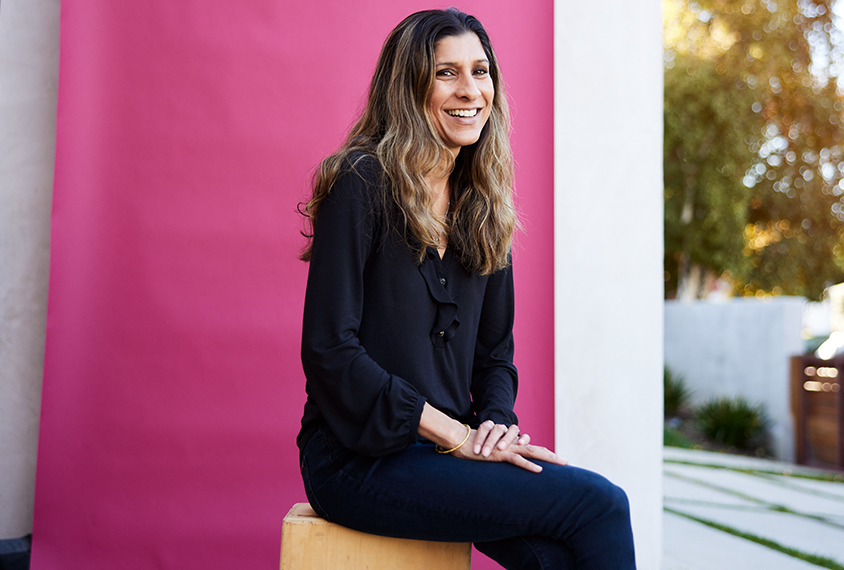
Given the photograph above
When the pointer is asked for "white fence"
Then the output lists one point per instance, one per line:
(739, 347)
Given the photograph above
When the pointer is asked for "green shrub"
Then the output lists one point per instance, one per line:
(732, 421)
(673, 438)
(675, 391)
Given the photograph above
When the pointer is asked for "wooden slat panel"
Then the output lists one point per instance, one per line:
(819, 415)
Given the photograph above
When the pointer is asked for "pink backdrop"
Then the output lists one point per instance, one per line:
(187, 132)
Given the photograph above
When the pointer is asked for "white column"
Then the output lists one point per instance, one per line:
(29, 54)
(608, 250)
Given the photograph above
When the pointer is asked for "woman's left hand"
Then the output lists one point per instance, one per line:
(500, 443)
(490, 434)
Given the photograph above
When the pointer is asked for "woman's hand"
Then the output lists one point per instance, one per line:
(490, 442)
(495, 442)
(490, 435)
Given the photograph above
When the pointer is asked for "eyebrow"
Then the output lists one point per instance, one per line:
(455, 63)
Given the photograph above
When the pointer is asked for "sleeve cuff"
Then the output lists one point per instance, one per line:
(499, 417)
(413, 435)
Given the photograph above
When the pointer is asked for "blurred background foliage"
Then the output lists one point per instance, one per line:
(754, 152)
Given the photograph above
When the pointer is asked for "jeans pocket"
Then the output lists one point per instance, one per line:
(338, 453)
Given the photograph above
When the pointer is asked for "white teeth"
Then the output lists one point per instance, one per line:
(463, 112)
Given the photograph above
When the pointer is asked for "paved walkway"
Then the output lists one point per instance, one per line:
(766, 499)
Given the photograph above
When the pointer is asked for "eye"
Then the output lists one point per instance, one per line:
(482, 71)
(445, 73)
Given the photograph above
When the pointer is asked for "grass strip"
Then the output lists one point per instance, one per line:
(823, 519)
(727, 506)
(821, 561)
(783, 482)
(769, 506)
(827, 477)
(725, 490)
(776, 477)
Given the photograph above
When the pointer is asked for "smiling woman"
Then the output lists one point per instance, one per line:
(407, 339)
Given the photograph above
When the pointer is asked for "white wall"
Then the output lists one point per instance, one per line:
(739, 348)
(29, 50)
(608, 250)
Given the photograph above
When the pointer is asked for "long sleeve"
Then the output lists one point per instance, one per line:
(372, 411)
(494, 377)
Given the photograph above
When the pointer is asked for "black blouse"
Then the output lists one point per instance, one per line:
(382, 333)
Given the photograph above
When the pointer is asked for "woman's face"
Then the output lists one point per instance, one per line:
(463, 90)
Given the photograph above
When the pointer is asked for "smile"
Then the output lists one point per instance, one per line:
(462, 112)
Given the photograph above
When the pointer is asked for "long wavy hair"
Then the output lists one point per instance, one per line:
(397, 129)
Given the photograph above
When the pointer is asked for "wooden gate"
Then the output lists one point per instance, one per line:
(817, 402)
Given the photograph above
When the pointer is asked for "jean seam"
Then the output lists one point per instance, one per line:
(541, 559)
(309, 486)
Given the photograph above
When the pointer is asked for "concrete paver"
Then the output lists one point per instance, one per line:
(674, 488)
(833, 491)
(789, 530)
(727, 460)
(692, 546)
(747, 502)
(763, 489)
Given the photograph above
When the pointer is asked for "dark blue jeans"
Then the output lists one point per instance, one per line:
(563, 518)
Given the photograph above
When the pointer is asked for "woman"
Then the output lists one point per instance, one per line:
(407, 343)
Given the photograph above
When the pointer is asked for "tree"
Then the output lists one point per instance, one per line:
(753, 145)
(707, 117)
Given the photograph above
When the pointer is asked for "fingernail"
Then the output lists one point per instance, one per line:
(487, 451)
(477, 449)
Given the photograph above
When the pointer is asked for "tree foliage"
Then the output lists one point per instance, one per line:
(753, 145)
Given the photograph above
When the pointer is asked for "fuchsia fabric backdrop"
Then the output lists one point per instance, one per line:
(187, 133)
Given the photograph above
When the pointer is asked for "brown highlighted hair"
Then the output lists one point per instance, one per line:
(396, 128)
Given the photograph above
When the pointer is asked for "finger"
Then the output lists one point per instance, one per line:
(509, 437)
(520, 461)
(482, 433)
(492, 439)
(524, 439)
(538, 452)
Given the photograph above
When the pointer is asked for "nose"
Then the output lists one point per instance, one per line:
(467, 88)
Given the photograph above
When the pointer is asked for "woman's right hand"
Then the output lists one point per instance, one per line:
(500, 444)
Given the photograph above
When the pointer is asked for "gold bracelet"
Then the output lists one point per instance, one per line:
(459, 445)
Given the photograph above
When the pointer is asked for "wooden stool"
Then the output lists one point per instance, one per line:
(309, 542)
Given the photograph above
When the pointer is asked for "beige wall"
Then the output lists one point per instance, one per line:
(608, 250)
(29, 50)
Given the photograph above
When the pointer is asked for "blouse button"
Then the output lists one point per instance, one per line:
(441, 333)
(442, 281)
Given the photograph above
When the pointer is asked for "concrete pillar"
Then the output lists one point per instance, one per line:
(29, 56)
(608, 250)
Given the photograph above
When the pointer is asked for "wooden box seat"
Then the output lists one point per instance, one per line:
(309, 542)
